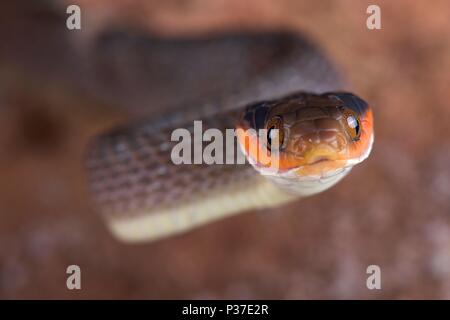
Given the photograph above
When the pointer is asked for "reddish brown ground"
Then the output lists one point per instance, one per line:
(393, 210)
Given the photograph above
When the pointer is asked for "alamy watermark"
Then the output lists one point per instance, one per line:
(374, 280)
(261, 146)
(373, 22)
(73, 281)
(73, 21)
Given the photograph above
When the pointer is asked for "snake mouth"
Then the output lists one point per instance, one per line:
(320, 154)
(317, 165)
(319, 161)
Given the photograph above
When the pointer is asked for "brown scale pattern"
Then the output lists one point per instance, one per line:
(131, 169)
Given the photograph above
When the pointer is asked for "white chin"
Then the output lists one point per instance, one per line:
(308, 185)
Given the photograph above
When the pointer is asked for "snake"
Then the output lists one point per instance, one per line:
(282, 98)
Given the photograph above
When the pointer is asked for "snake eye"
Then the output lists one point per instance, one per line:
(275, 133)
(352, 124)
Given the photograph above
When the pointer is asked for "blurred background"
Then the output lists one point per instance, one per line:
(392, 211)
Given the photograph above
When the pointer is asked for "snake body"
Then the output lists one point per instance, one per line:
(231, 81)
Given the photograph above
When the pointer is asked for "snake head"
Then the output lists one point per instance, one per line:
(306, 135)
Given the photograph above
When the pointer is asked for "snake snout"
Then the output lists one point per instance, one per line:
(316, 140)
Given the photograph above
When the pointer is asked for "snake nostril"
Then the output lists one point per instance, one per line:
(300, 146)
(339, 142)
